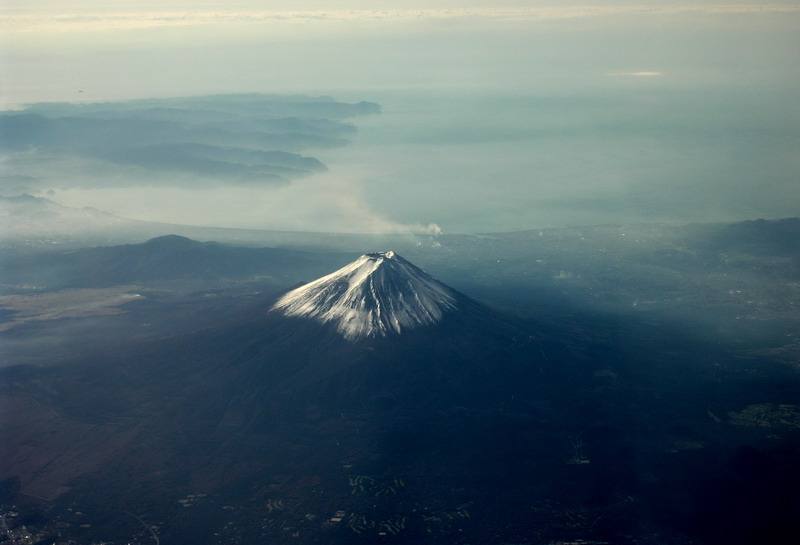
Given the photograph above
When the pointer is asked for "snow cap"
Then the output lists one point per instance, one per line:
(378, 294)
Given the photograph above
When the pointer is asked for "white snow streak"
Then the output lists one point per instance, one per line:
(376, 294)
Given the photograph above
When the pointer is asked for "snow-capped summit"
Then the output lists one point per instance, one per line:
(375, 295)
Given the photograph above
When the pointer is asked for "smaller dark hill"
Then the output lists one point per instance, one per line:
(763, 238)
(170, 258)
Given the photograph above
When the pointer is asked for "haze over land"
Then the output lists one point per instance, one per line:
(493, 118)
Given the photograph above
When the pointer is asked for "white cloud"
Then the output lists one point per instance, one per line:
(67, 21)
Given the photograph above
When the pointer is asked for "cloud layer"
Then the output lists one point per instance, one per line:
(493, 119)
(86, 21)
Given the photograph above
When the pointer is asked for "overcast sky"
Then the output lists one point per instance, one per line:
(493, 118)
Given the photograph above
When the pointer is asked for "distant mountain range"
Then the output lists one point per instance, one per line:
(31, 227)
(173, 259)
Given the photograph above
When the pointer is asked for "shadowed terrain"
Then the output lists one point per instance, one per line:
(554, 414)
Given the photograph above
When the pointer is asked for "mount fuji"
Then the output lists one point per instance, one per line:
(378, 328)
(378, 294)
(375, 370)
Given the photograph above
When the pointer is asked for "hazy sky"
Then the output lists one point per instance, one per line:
(494, 118)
